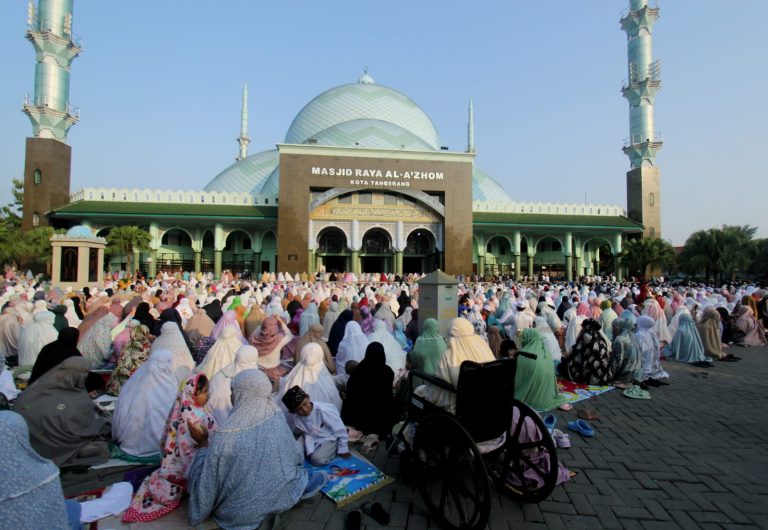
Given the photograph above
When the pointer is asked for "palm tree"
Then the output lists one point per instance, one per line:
(647, 254)
(719, 252)
(126, 240)
(13, 247)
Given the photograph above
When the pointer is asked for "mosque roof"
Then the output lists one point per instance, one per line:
(361, 114)
(361, 100)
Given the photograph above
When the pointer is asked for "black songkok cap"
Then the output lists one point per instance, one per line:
(294, 397)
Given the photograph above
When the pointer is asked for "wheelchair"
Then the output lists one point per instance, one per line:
(492, 439)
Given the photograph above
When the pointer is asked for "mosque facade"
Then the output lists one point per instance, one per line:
(360, 182)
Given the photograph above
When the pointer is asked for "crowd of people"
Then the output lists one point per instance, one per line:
(229, 385)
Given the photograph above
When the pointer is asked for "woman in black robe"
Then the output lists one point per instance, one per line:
(337, 331)
(53, 354)
(369, 404)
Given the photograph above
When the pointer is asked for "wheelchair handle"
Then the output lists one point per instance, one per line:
(528, 355)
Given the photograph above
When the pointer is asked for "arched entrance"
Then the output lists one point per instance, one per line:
(332, 249)
(268, 252)
(175, 251)
(237, 256)
(549, 258)
(209, 245)
(420, 254)
(376, 253)
(498, 256)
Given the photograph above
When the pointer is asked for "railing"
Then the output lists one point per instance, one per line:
(652, 73)
(550, 208)
(172, 196)
(641, 138)
(652, 4)
(49, 102)
(45, 27)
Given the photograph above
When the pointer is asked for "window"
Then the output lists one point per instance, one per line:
(176, 238)
(35, 219)
(346, 199)
(652, 199)
(365, 198)
(38, 176)
(390, 199)
(246, 243)
(653, 232)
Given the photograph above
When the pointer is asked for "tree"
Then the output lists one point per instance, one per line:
(719, 252)
(646, 254)
(10, 214)
(126, 240)
(38, 244)
(13, 247)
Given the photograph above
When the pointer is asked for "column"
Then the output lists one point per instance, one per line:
(587, 262)
(217, 263)
(398, 263)
(518, 272)
(481, 265)
(578, 251)
(100, 265)
(256, 265)
(56, 268)
(569, 268)
(516, 238)
(152, 259)
(355, 264)
(568, 244)
(617, 267)
(198, 261)
(312, 265)
(596, 257)
(530, 264)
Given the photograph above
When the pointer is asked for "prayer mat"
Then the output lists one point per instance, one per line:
(350, 479)
(575, 392)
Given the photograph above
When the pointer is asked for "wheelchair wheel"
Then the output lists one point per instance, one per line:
(450, 474)
(529, 467)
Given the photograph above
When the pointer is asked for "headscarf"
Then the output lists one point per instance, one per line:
(709, 331)
(535, 381)
(394, 353)
(93, 317)
(494, 340)
(329, 318)
(589, 361)
(270, 341)
(747, 330)
(253, 467)
(652, 309)
(463, 345)
(34, 336)
(337, 331)
(686, 345)
(366, 323)
(213, 310)
(61, 416)
(220, 391)
(550, 341)
(132, 356)
(96, 341)
(315, 336)
(59, 322)
(54, 353)
(10, 329)
(228, 319)
(30, 490)
(200, 325)
(649, 349)
(308, 317)
(312, 376)
(428, 349)
(253, 320)
(369, 406)
(626, 355)
(221, 353)
(172, 339)
(351, 348)
(145, 401)
(162, 491)
(71, 315)
(143, 316)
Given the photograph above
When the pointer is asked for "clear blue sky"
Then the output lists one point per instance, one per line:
(159, 87)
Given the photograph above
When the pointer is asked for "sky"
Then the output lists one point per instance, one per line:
(159, 89)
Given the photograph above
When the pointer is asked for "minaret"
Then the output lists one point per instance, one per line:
(643, 80)
(471, 128)
(48, 157)
(244, 139)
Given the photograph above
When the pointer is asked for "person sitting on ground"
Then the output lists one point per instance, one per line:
(253, 467)
(650, 363)
(626, 357)
(369, 405)
(535, 381)
(747, 330)
(709, 331)
(56, 352)
(323, 433)
(686, 345)
(162, 491)
(312, 376)
(65, 425)
(590, 359)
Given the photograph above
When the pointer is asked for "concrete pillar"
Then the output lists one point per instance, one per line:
(312, 262)
(152, 259)
(56, 269)
(198, 261)
(481, 265)
(518, 272)
(355, 264)
(399, 262)
(596, 257)
(569, 268)
(587, 262)
(217, 263)
(530, 265)
(617, 267)
(100, 264)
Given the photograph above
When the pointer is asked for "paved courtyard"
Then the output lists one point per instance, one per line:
(694, 456)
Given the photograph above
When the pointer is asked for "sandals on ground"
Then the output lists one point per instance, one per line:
(370, 444)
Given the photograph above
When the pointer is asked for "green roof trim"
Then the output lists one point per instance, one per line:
(118, 208)
(548, 220)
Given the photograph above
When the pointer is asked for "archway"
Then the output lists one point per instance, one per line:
(268, 252)
(175, 251)
(420, 254)
(376, 253)
(549, 259)
(598, 256)
(499, 259)
(332, 249)
(237, 256)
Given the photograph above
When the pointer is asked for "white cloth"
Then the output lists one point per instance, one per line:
(36, 335)
(71, 315)
(7, 386)
(330, 317)
(171, 339)
(220, 387)
(394, 353)
(323, 425)
(312, 376)
(550, 341)
(145, 401)
(574, 328)
(115, 500)
(221, 353)
(351, 348)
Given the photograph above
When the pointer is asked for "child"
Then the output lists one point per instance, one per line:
(324, 433)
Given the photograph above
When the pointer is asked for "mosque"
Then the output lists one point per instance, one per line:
(361, 182)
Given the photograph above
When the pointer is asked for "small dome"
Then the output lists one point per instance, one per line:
(365, 79)
(81, 232)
